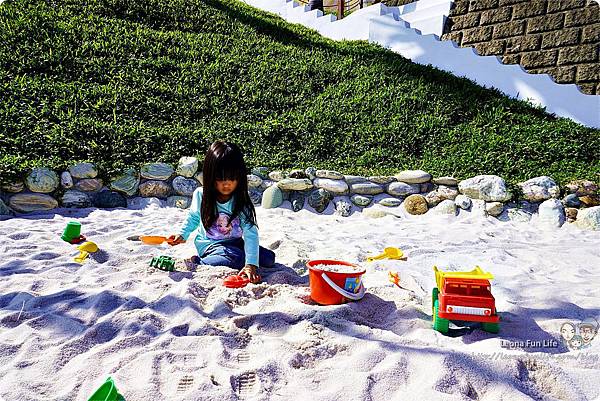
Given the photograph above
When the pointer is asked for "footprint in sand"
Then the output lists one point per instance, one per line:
(243, 357)
(176, 365)
(246, 385)
(300, 266)
(423, 251)
(45, 256)
(543, 381)
(304, 250)
(19, 236)
(185, 384)
(101, 256)
(111, 228)
(275, 245)
(197, 291)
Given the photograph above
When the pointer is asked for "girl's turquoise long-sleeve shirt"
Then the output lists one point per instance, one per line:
(223, 229)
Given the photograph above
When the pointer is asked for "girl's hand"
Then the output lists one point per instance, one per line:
(175, 240)
(250, 272)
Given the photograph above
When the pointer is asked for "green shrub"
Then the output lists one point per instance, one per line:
(123, 82)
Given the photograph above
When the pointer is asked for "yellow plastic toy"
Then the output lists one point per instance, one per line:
(475, 274)
(84, 250)
(388, 253)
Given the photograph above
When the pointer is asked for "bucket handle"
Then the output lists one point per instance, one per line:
(343, 292)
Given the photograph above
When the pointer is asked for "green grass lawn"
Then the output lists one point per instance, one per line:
(123, 82)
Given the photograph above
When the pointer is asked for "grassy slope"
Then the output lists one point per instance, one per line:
(122, 82)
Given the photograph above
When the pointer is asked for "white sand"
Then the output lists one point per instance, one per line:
(183, 336)
(338, 268)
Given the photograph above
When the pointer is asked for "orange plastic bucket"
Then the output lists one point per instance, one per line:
(332, 288)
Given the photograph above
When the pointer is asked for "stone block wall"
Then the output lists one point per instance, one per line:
(414, 191)
(396, 2)
(556, 37)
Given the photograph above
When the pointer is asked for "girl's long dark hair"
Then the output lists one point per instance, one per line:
(224, 160)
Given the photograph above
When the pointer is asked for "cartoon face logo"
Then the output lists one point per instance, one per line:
(588, 330)
(576, 342)
(223, 225)
(567, 331)
(587, 333)
(224, 228)
(579, 336)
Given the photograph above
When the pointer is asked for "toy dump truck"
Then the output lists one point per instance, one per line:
(166, 263)
(464, 296)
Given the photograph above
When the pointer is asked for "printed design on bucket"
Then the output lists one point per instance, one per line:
(352, 284)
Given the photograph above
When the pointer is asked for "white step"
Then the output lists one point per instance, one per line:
(375, 9)
(295, 12)
(429, 18)
(422, 13)
(314, 19)
(432, 25)
(355, 26)
(309, 18)
(299, 6)
(327, 18)
(421, 5)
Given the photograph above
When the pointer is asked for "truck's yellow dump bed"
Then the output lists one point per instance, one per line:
(475, 274)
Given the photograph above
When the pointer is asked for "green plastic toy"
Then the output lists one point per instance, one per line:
(72, 233)
(166, 263)
(107, 392)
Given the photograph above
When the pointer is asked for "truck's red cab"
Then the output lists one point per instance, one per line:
(467, 299)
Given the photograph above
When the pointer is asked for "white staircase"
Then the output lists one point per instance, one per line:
(426, 16)
(413, 31)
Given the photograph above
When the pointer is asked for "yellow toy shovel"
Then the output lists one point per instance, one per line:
(388, 253)
(84, 250)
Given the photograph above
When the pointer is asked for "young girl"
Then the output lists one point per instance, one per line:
(222, 212)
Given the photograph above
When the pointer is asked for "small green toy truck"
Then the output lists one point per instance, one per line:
(165, 263)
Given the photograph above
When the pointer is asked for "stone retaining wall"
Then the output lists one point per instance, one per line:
(556, 37)
(415, 191)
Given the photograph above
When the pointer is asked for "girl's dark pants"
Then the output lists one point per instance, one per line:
(231, 254)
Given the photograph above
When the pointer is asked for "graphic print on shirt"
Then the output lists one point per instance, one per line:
(224, 228)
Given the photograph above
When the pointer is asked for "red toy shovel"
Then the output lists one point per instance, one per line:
(236, 281)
